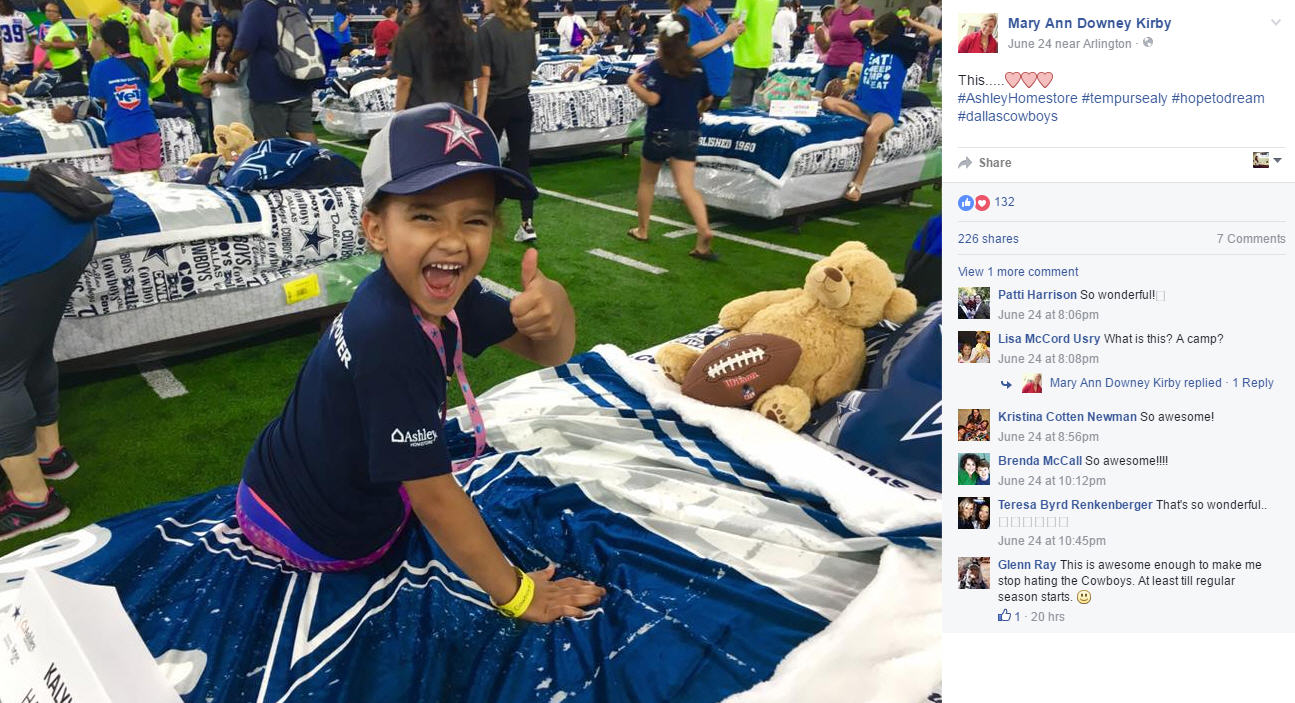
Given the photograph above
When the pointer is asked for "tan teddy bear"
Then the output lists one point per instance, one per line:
(232, 140)
(849, 291)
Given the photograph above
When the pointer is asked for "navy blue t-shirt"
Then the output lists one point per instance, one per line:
(365, 416)
(35, 236)
(679, 97)
(258, 36)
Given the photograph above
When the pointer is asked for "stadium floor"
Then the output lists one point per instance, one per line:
(137, 449)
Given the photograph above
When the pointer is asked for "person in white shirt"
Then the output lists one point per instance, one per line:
(18, 36)
(931, 14)
(784, 24)
(569, 40)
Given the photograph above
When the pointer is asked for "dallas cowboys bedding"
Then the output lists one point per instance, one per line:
(759, 165)
(165, 242)
(725, 544)
(801, 69)
(33, 137)
(566, 114)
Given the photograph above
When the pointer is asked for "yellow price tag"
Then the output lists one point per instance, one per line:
(301, 289)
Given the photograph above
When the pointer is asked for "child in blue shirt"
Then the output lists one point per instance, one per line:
(676, 91)
(889, 52)
(121, 82)
(360, 446)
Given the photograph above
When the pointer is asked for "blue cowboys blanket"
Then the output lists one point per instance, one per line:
(169, 242)
(148, 213)
(34, 136)
(724, 545)
(33, 132)
(775, 149)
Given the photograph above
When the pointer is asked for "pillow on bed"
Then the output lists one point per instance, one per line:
(280, 163)
(893, 420)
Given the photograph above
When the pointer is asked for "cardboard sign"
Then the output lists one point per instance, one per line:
(82, 9)
(62, 640)
(793, 108)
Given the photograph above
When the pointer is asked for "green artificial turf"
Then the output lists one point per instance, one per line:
(137, 449)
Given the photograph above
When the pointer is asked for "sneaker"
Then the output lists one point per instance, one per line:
(60, 465)
(525, 233)
(16, 517)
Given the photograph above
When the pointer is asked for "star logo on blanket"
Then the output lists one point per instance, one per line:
(127, 96)
(159, 253)
(313, 239)
(322, 615)
(456, 133)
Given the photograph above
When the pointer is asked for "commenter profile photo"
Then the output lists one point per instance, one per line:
(973, 347)
(973, 573)
(973, 425)
(978, 32)
(973, 303)
(973, 513)
(973, 469)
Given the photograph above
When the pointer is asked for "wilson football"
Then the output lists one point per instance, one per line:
(736, 371)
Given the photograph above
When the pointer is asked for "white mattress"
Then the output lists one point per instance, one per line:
(749, 194)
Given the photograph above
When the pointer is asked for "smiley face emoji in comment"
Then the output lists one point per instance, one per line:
(1084, 597)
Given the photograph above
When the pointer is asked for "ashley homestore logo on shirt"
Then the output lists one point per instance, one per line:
(417, 438)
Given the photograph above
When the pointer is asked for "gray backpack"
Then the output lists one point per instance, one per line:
(299, 56)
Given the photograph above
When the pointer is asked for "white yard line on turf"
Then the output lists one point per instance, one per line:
(603, 254)
(497, 288)
(692, 230)
(162, 381)
(610, 208)
(684, 228)
(838, 221)
(352, 147)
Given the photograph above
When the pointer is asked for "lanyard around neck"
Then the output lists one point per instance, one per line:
(474, 413)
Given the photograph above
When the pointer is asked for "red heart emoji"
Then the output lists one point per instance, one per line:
(1012, 78)
(1045, 79)
(1028, 78)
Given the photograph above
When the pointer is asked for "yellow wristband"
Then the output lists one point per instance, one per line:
(520, 602)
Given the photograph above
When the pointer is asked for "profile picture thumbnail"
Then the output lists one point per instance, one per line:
(973, 303)
(1259, 159)
(973, 573)
(973, 469)
(979, 32)
(973, 513)
(973, 347)
(973, 425)
(1032, 383)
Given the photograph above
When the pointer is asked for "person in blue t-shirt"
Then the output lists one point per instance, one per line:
(281, 106)
(676, 92)
(121, 82)
(42, 254)
(711, 42)
(889, 52)
(342, 28)
(361, 444)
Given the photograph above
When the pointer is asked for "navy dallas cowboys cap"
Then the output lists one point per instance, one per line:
(428, 145)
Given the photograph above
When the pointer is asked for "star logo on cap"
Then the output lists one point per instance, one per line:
(457, 132)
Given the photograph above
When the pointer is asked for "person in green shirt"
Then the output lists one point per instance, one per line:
(60, 46)
(143, 44)
(753, 51)
(189, 54)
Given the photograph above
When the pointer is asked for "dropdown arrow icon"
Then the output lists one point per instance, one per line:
(1276, 22)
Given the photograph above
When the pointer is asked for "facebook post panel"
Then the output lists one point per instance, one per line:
(1118, 465)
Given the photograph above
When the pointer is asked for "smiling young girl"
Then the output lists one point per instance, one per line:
(360, 446)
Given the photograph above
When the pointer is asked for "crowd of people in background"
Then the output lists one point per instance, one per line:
(223, 69)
